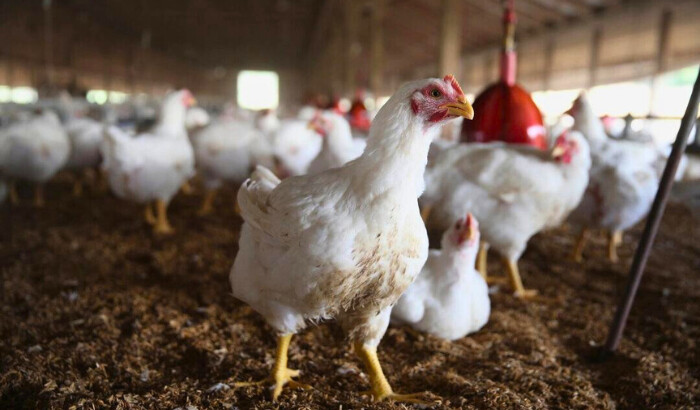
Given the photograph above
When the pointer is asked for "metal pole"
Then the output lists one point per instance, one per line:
(652, 225)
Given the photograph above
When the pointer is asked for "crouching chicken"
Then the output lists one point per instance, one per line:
(345, 243)
(449, 299)
(515, 191)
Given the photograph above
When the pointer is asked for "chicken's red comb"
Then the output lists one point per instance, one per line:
(451, 79)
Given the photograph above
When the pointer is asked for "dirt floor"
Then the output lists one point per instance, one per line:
(99, 313)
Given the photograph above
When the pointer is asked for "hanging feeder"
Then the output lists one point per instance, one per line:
(504, 111)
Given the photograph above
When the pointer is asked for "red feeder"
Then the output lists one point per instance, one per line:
(359, 117)
(504, 111)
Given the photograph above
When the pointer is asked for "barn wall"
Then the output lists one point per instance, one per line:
(86, 55)
(629, 49)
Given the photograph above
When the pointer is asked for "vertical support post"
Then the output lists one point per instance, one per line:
(653, 220)
(450, 38)
(509, 59)
(48, 41)
(662, 50)
(351, 11)
(376, 76)
(596, 40)
(548, 62)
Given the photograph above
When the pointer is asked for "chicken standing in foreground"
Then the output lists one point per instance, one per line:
(515, 191)
(153, 166)
(449, 299)
(347, 242)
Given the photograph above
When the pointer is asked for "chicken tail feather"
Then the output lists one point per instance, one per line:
(253, 195)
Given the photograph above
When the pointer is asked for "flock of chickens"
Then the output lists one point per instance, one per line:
(335, 224)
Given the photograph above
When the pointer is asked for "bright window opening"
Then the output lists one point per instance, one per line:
(5, 94)
(258, 90)
(117, 97)
(24, 95)
(97, 96)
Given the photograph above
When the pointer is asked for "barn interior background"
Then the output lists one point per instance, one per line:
(98, 311)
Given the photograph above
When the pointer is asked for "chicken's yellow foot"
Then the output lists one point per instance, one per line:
(577, 254)
(482, 258)
(380, 388)
(162, 225)
(281, 375)
(39, 196)
(515, 280)
(207, 204)
(148, 215)
(614, 240)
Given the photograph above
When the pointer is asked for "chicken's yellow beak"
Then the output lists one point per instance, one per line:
(469, 234)
(558, 151)
(461, 108)
(191, 101)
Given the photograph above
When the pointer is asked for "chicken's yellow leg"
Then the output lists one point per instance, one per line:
(236, 207)
(148, 214)
(39, 196)
(577, 254)
(482, 265)
(186, 188)
(14, 197)
(425, 213)
(207, 207)
(614, 240)
(482, 258)
(515, 280)
(281, 374)
(162, 225)
(381, 389)
(102, 180)
(78, 186)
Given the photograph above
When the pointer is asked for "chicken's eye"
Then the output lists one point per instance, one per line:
(435, 93)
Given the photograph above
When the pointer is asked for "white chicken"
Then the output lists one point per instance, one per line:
(339, 147)
(151, 168)
(307, 113)
(225, 152)
(267, 122)
(623, 181)
(295, 145)
(85, 135)
(34, 150)
(196, 118)
(450, 298)
(514, 190)
(347, 242)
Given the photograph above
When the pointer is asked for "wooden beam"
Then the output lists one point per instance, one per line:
(662, 49)
(596, 40)
(351, 17)
(549, 47)
(376, 76)
(324, 17)
(450, 38)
